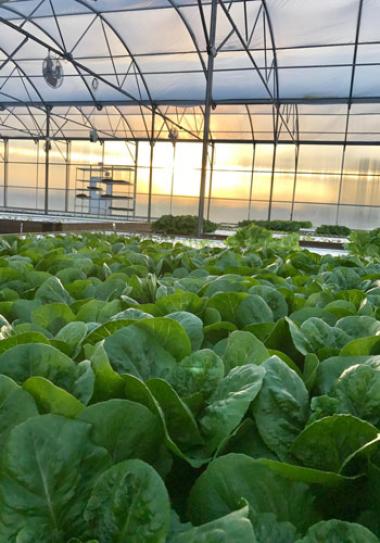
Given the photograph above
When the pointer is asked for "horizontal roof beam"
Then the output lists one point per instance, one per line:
(330, 143)
(188, 103)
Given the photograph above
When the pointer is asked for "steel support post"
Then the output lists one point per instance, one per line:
(251, 183)
(136, 176)
(297, 158)
(172, 178)
(272, 181)
(340, 185)
(37, 174)
(6, 171)
(103, 144)
(68, 174)
(211, 52)
(152, 142)
(211, 180)
(350, 101)
(47, 160)
(275, 133)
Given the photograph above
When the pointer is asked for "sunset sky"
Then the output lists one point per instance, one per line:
(317, 188)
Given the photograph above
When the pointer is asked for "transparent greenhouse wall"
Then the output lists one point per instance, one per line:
(239, 186)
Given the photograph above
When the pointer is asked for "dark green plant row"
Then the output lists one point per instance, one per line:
(279, 226)
(187, 225)
(181, 225)
(157, 393)
(333, 230)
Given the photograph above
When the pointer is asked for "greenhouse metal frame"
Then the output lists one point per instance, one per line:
(280, 72)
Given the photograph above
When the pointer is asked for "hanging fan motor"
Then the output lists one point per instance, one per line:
(173, 134)
(53, 72)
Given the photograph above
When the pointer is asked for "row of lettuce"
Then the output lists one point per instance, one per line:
(187, 225)
(152, 392)
(362, 244)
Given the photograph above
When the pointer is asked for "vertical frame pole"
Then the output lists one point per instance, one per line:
(272, 181)
(211, 179)
(251, 182)
(136, 176)
(275, 132)
(172, 179)
(152, 142)
(6, 171)
(351, 93)
(47, 160)
(297, 157)
(37, 142)
(68, 174)
(211, 52)
(103, 145)
(341, 184)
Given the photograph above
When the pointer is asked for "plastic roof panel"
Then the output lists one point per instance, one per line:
(370, 21)
(304, 66)
(140, 31)
(313, 22)
(318, 83)
(316, 56)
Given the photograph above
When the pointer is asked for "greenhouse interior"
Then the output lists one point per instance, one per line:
(189, 271)
(267, 113)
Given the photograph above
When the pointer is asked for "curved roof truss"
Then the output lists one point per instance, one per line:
(284, 72)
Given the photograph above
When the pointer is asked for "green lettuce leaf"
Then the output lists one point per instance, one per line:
(334, 531)
(282, 407)
(126, 429)
(130, 503)
(48, 470)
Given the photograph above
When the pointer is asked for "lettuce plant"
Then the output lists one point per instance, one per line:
(156, 393)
